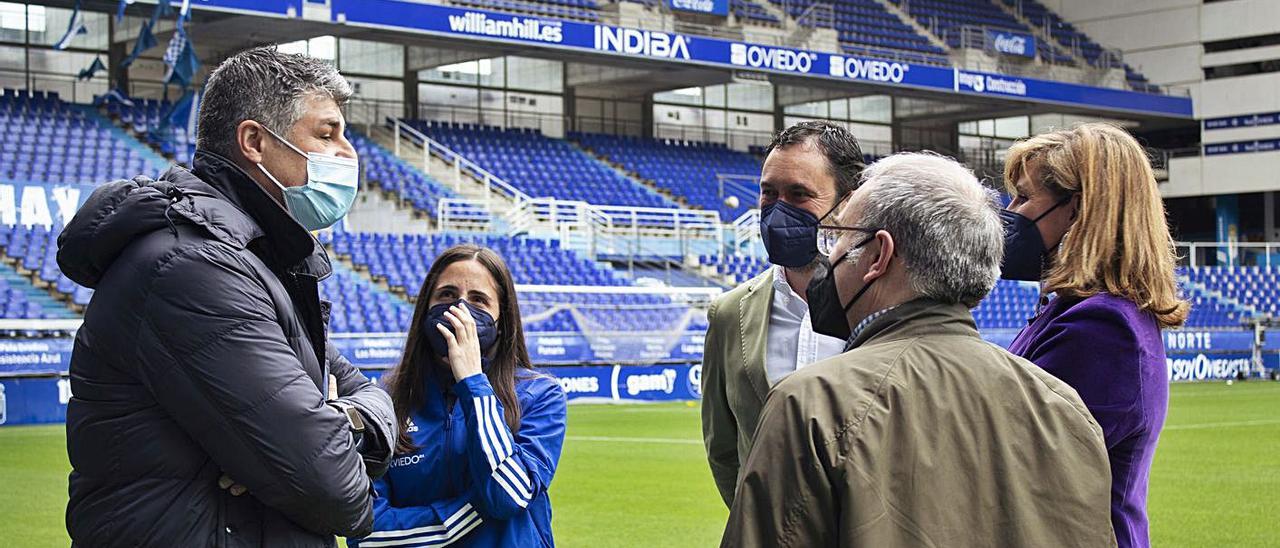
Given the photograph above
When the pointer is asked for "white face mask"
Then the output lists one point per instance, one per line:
(330, 190)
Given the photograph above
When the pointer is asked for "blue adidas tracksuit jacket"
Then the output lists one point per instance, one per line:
(473, 482)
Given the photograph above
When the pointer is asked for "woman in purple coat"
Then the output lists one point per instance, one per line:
(1088, 223)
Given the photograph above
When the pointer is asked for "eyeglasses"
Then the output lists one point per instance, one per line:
(828, 235)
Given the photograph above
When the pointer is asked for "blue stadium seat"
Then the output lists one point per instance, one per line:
(394, 175)
(49, 141)
(865, 27)
(541, 166)
(686, 169)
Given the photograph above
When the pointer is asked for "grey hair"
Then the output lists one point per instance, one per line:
(264, 85)
(946, 224)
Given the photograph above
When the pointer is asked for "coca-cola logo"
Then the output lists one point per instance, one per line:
(1011, 43)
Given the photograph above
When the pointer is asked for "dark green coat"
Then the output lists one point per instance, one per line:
(924, 435)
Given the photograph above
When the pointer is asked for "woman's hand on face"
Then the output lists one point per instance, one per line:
(464, 344)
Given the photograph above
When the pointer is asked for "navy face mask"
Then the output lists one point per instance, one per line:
(790, 234)
(1024, 250)
(486, 328)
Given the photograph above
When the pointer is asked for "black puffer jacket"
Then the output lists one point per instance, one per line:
(204, 352)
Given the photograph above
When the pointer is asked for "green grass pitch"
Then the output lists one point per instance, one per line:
(634, 475)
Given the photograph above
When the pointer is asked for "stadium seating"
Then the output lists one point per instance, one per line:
(402, 261)
(751, 12)
(866, 27)
(1255, 290)
(360, 307)
(948, 17)
(44, 139)
(394, 175)
(1071, 38)
(33, 250)
(735, 269)
(686, 169)
(541, 166)
(145, 119)
(1009, 305)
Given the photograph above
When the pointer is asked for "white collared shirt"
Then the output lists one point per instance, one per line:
(791, 343)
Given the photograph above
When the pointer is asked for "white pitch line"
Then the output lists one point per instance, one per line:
(1260, 422)
(634, 440)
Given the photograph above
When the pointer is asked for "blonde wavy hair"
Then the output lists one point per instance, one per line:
(1119, 242)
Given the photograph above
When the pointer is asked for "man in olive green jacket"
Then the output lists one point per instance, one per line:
(921, 433)
(734, 385)
(760, 332)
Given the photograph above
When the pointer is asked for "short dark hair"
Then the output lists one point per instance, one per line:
(837, 144)
(265, 85)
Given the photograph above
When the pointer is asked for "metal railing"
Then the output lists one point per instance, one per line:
(68, 87)
(746, 231)
(1160, 156)
(457, 214)
(979, 37)
(459, 164)
(1197, 254)
(896, 55)
(548, 123)
(595, 229)
(816, 16)
(737, 139)
(368, 113)
(608, 125)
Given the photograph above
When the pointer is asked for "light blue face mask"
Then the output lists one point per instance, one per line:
(329, 192)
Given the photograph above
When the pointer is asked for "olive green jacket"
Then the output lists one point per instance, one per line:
(734, 383)
(924, 435)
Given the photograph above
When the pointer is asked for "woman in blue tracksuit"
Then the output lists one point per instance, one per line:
(480, 430)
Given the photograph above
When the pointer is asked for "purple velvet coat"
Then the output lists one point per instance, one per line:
(1112, 354)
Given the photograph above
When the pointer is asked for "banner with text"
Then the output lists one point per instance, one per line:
(682, 48)
(40, 204)
(622, 383)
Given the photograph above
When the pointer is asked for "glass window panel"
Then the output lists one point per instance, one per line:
(295, 48)
(535, 74)
(872, 108)
(372, 89)
(13, 22)
(1011, 128)
(816, 109)
(323, 47)
(714, 96)
(839, 109)
(13, 58)
(448, 103)
(683, 96)
(372, 57)
(488, 72)
(47, 25)
(751, 96)
(875, 140)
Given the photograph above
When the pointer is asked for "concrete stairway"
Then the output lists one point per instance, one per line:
(465, 184)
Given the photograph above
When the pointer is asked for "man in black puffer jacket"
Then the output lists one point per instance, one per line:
(208, 407)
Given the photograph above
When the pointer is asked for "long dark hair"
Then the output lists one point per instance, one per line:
(406, 382)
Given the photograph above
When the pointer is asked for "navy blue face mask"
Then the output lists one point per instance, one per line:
(486, 328)
(1024, 250)
(790, 234)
